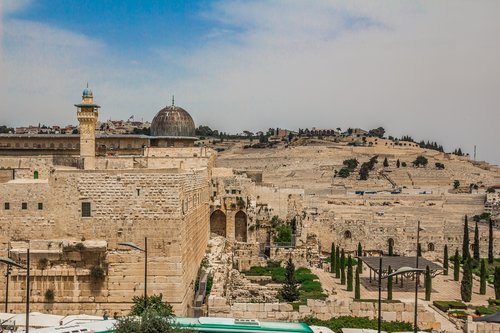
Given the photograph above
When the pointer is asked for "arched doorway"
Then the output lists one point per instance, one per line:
(240, 226)
(218, 223)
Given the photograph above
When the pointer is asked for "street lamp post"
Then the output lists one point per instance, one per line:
(417, 278)
(145, 250)
(9, 262)
(417, 271)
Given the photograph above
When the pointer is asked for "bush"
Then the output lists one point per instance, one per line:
(446, 305)
(97, 273)
(344, 173)
(49, 295)
(351, 164)
(309, 286)
(155, 304)
(483, 310)
(420, 161)
(336, 324)
(283, 234)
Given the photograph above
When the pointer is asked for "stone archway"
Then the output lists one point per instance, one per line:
(240, 226)
(218, 223)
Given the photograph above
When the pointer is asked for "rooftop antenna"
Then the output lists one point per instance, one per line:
(172, 100)
(474, 152)
(87, 84)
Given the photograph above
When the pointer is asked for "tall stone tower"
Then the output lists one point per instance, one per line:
(87, 113)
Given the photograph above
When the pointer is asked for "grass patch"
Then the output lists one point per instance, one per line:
(336, 324)
(483, 310)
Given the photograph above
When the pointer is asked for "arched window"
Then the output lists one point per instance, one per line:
(430, 246)
(35, 175)
(347, 234)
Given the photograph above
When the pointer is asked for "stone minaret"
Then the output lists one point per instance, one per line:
(87, 113)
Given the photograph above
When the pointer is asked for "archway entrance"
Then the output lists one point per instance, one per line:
(218, 223)
(240, 226)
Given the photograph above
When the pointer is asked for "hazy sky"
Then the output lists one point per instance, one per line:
(429, 69)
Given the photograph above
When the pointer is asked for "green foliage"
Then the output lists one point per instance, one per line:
(309, 286)
(496, 282)
(337, 263)
(357, 287)
(289, 292)
(386, 162)
(482, 216)
(6, 130)
(43, 263)
(283, 233)
(456, 184)
(482, 283)
(155, 305)
(389, 284)
(476, 243)
(420, 161)
(257, 271)
(360, 262)
(342, 268)
(445, 260)
(428, 284)
(344, 173)
(377, 132)
(439, 166)
(465, 241)
(466, 284)
(149, 322)
(398, 164)
(97, 273)
(404, 164)
(456, 266)
(364, 172)
(336, 324)
(349, 273)
(49, 295)
(351, 164)
(332, 258)
(490, 190)
(483, 310)
(490, 242)
(446, 305)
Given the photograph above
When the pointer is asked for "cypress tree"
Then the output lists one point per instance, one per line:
(419, 250)
(476, 243)
(497, 282)
(391, 249)
(466, 285)
(332, 258)
(398, 164)
(337, 263)
(465, 243)
(360, 254)
(342, 268)
(456, 266)
(490, 243)
(386, 162)
(357, 287)
(428, 283)
(482, 283)
(289, 291)
(445, 260)
(349, 273)
(389, 284)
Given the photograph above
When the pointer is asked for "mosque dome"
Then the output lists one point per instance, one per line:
(172, 121)
(87, 92)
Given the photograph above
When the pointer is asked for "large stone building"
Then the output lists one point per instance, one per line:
(72, 211)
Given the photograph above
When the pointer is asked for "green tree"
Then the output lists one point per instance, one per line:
(290, 292)
(149, 322)
(337, 263)
(377, 132)
(389, 284)
(496, 282)
(344, 173)
(386, 162)
(428, 283)
(490, 242)
(466, 285)
(360, 254)
(342, 268)
(351, 164)
(476, 242)
(364, 172)
(456, 184)
(445, 260)
(155, 304)
(456, 266)
(349, 273)
(482, 283)
(332, 258)
(398, 164)
(420, 161)
(465, 242)
(357, 287)
(403, 164)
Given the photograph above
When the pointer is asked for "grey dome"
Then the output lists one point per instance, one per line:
(173, 121)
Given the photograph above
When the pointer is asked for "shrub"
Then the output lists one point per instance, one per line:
(283, 234)
(351, 164)
(439, 166)
(403, 164)
(155, 304)
(446, 305)
(256, 271)
(49, 295)
(43, 263)
(309, 286)
(482, 310)
(336, 324)
(420, 161)
(97, 273)
(344, 173)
